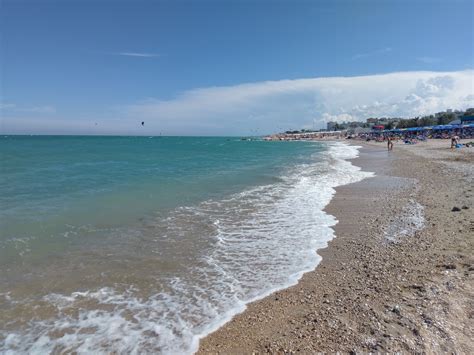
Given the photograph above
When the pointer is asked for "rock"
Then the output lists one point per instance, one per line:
(449, 266)
(396, 309)
(418, 287)
(465, 207)
(455, 209)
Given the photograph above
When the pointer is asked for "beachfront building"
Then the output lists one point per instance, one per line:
(331, 126)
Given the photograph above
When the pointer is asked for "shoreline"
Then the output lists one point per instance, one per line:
(387, 295)
(293, 279)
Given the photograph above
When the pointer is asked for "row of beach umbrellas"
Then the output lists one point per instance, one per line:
(426, 128)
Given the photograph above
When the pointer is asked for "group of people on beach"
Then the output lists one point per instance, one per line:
(455, 142)
(414, 136)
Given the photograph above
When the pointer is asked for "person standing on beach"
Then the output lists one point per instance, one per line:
(389, 143)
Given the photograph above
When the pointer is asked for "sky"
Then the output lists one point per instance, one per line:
(230, 67)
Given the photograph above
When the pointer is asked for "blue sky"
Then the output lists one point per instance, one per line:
(100, 67)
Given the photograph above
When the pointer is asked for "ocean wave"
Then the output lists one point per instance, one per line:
(251, 244)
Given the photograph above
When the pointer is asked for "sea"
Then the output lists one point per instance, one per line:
(147, 244)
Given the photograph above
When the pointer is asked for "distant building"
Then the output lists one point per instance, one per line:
(331, 126)
(359, 130)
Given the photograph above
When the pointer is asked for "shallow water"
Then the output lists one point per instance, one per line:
(144, 244)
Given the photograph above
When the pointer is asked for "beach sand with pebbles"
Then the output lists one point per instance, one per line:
(397, 277)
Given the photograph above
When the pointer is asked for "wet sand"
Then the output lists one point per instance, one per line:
(386, 283)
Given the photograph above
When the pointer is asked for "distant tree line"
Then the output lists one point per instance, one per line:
(441, 118)
(430, 120)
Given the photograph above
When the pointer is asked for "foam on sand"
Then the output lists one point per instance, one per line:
(407, 223)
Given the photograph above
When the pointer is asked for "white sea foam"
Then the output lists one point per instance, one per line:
(258, 241)
(410, 220)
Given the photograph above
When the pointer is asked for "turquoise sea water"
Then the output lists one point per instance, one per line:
(49, 184)
(146, 244)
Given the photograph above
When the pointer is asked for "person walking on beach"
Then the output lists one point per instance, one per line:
(389, 143)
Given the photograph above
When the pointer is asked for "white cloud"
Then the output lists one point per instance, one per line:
(137, 54)
(266, 107)
(274, 105)
(372, 53)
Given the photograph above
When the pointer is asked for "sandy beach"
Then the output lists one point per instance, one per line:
(397, 277)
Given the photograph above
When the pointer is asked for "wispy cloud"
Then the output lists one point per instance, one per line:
(138, 54)
(372, 53)
(44, 109)
(429, 60)
(6, 106)
(38, 109)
